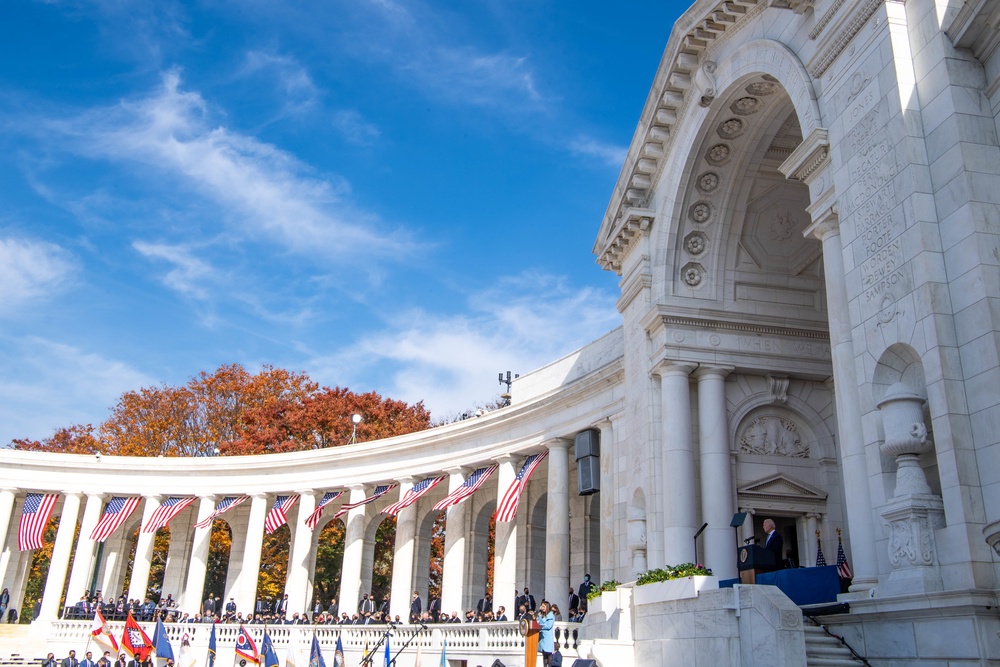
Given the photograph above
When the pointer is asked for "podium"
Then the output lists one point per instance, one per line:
(754, 560)
(529, 629)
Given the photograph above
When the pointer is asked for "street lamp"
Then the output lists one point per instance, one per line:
(355, 420)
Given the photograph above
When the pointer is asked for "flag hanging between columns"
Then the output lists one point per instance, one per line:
(277, 517)
(34, 517)
(470, 486)
(414, 494)
(379, 492)
(313, 519)
(116, 512)
(170, 508)
(507, 509)
(228, 503)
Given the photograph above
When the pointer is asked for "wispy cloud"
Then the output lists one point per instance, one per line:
(31, 271)
(451, 362)
(74, 385)
(355, 128)
(263, 192)
(291, 79)
(610, 154)
(189, 274)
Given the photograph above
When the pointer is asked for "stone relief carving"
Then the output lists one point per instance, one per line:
(692, 274)
(731, 129)
(695, 243)
(704, 80)
(700, 211)
(746, 106)
(708, 182)
(761, 88)
(777, 388)
(771, 435)
(718, 154)
(781, 227)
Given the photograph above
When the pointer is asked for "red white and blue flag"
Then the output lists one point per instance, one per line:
(228, 503)
(379, 492)
(245, 646)
(135, 640)
(277, 517)
(34, 517)
(162, 515)
(469, 486)
(313, 519)
(116, 512)
(414, 494)
(843, 569)
(507, 509)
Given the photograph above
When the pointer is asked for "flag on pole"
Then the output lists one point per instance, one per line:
(116, 512)
(160, 642)
(277, 518)
(135, 640)
(379, 492)
(34, 517)
(291, 655)
(101, 633)
(211, 647)
(245, 646)
(228, 503)
(315, 654)
(820, 558)
(170, 508)
(313, 519)
(267, 653)
(507, 509)
(469, 486)
(843, 569)
(419, 658)
(414, 494)
(444, 654)
(388, 654)
(338, 654)
(186, 656)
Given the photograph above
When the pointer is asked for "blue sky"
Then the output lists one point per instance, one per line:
(389, 196)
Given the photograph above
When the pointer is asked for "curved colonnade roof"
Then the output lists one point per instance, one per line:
(557, 401)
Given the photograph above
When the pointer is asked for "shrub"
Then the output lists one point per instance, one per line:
(672, 572)
(607, 586)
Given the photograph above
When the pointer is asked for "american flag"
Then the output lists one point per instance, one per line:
(379, 492)
(228, 503)
(34, 517)
(507, 509)
(843, 569)
(313, 519)
(470, 486)
(820, 558)
(414, 494)
(116, 512)
(162, 515)
(276, 518)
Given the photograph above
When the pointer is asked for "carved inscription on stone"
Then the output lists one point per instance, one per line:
(771, 435)
(783, 347)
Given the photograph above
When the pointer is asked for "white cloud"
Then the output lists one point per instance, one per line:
(51, 385)
(259, 189)
(31, 271)
(610, 154)
(189, 274)
(291, 78)
(451, 363)
(355, 128)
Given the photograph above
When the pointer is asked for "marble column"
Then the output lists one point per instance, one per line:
(7, 497)
(679, 520)
(453, 567)
(611, 530)
(246, 596)
(61, 552)
(354, 545)
(505, 540)
(401, 592)
(198, 566)
(143, 552)
(718, 498)
(854, 468)
(297, 583)
(812, 539)
(557, 521)
(83, 560)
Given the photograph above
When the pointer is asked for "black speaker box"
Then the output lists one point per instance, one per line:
(584, 662)
(588, 443)
(588, 475)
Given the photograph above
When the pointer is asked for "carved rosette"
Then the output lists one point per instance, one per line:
(695, 243)
(692, 274)
(745, 106)
(731, 129)
(718, 154)
(700, 211)
(708, 182)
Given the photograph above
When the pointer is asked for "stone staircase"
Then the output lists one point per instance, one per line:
(822, 650)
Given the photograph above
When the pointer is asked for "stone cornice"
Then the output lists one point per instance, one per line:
(808, 157)
(633, 223)
(976, 26)
(658, 319)
(831, 47)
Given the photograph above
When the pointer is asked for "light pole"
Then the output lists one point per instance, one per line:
(355, 420)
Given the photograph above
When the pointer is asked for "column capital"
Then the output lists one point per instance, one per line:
(406, 479)
(257, 494)
(305, 492)
(209, 496)
(506, 458)
(814, 515)
(558, 443)
(748, 510)
(710, 371)
(75, 493)
(671, 367)
(825, 224)
(101, 495)
(457, 470)
(356, 487)
(153, 496)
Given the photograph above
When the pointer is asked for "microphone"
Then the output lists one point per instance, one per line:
(749, 540)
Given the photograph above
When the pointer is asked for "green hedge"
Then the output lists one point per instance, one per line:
(672, 572)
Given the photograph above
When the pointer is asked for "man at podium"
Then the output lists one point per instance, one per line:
(775, 544)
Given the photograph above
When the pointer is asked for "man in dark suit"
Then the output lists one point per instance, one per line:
(485, 604)
(528, 600)
(415, 608)
(774, 544)
(70, 661)
(209, 606)
(434, 607)
(501, 613)
(367, 605)
(88, 660)
(574, 600)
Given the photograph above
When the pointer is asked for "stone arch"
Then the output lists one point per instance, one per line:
(428, 561)
(478, 560)
(534, 551)
(899, 363)
(820, 436)
(379, 553)
(326, 560)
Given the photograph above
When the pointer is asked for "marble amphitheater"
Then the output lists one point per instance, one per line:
(807, 235)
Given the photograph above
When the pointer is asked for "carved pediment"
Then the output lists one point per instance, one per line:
(782, 487)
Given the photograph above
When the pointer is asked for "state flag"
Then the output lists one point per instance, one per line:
(135, 640)
(101, 633)
(245, 646)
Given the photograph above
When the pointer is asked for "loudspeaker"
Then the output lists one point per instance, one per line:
(588, 475)
(584, 662)
(588, 443)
